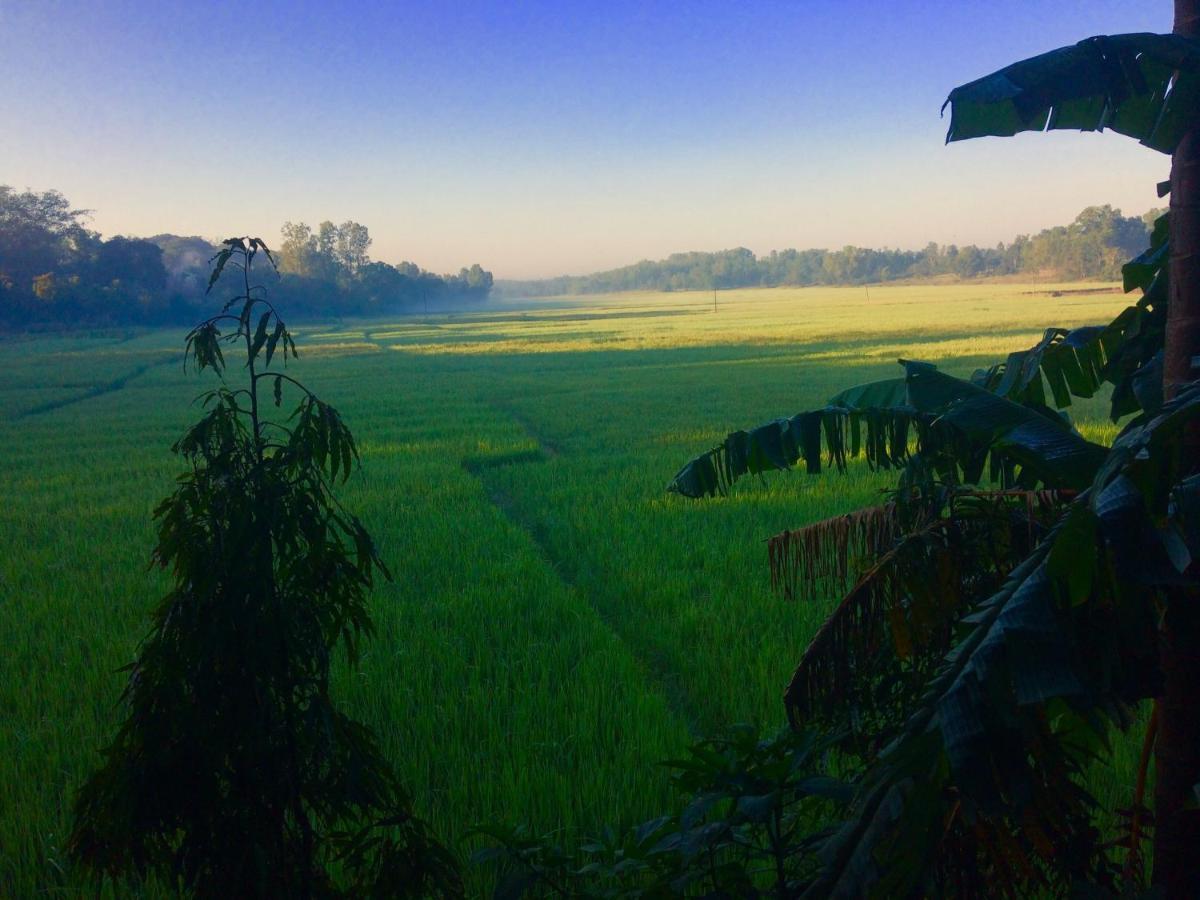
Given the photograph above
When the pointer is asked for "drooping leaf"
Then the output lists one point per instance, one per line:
(218, 262)
(953, 746)
(834, 549)
(260, 336)
(1146, 86)
(1044, 445)
(203, 346)
(272, 341)
(940, 411)
(260, 244)
(1072, 561)
(1140, 271)
(1072, 363)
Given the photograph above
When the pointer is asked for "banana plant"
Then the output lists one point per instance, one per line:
(1024, 589)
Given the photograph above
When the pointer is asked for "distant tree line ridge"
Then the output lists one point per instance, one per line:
(54, 270)
(1092, 247)
(332, 262)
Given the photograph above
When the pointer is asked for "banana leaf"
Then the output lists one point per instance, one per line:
(1142, 85)
(886, 421)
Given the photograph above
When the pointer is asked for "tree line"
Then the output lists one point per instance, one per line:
(332, 262)
(55, 270)
(1092, 246)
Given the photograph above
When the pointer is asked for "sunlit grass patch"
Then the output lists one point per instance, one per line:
(352, 334)
(341, 348)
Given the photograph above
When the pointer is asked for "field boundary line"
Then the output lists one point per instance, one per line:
(99, 390)
(657, 675)
(564, 569)
(549, 448)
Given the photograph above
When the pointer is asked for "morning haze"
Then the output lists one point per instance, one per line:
(544, 139)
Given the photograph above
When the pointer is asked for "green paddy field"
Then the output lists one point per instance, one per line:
(557, 623)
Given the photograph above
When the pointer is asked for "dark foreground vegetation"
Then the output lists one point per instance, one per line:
(1021, 591)
(55, 272)
(234, 774)
(1093, 246)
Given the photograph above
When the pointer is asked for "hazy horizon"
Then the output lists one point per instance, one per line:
(539, 142)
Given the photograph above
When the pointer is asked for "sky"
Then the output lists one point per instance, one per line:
(545, 138)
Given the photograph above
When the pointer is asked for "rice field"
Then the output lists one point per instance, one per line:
(557, 623)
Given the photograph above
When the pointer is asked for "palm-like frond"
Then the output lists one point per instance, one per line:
(887, 421)
(880, 407)
(1070, 362)
(1145, 86)
(926, 411)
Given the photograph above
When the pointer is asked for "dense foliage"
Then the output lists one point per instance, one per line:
(55, 271)
(53, 268)
(233, 773)
(1093, 246)
(331, 265)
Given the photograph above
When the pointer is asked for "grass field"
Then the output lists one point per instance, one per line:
(557, 623)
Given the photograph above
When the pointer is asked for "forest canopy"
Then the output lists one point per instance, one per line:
(54, 271)
(1093, 246)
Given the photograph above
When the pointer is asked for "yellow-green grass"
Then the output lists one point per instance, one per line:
(557, 623)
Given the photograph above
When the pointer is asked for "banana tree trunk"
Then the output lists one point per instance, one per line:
(1177, 759)
(1183, 315)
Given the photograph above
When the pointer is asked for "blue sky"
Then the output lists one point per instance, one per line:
(542, 138)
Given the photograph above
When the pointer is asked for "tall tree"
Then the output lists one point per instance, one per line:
(39, 234)
(351, 245)
(327, 237)
(298, 250)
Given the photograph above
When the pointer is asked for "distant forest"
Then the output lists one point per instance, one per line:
(1092, 247)
(54, 271)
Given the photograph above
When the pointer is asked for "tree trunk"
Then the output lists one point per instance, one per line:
(1183, 313)
(1177, 755)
